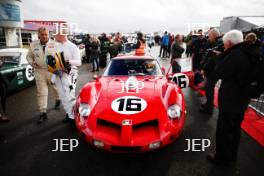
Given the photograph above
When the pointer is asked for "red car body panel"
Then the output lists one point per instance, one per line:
(148, 126)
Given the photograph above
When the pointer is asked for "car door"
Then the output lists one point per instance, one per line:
(14, 75)
(27, 70)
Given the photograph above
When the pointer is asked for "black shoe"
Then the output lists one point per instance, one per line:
(4, 119)
(68, 120)
(97, 69)
(205, 110)
(93, 71)
(43, 116)
(57, 104)
(234, 159)
(216, 161)
(203, 106)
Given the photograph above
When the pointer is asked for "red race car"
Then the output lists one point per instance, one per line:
(132, 107)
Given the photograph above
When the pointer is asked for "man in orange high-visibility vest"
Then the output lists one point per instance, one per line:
(141, 45)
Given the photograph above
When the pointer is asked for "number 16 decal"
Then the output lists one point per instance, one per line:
(129, 105)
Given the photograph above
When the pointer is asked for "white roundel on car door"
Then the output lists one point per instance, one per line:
(29, 73)
(129, 105)
(181, 80)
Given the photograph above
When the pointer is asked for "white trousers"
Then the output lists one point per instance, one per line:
(66, 85)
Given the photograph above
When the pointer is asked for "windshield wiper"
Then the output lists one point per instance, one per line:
(137, 74)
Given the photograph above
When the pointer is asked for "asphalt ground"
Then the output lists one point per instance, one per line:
(26, 147)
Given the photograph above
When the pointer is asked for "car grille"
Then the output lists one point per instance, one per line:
(125, 149)
(107, 130)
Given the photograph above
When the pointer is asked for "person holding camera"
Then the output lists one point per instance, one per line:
(214, 48)
(236, 69)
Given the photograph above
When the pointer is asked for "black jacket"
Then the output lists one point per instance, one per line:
(176, 50)
(105, 43)
(233, 69)
(210, 59)
(198, 46)
(87, 43)
(94, 50)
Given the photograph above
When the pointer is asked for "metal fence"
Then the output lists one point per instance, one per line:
(258, 105)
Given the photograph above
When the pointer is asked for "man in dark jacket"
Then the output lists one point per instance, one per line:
(188, 41)
(105, 44)
(157, 39)
(214, 47)
(176, 53)
(94, 53)
(198, 49)
(232, 69)
(87, 43)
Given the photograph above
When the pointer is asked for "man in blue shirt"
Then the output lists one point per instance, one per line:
(165, 44)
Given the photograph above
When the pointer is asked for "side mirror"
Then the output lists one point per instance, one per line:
(169, 77)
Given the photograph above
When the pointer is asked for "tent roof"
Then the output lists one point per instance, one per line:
(258, 20)
(243, 23)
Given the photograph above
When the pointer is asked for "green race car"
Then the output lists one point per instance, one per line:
(15, 72)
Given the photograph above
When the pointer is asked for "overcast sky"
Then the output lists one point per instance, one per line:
(176, 16)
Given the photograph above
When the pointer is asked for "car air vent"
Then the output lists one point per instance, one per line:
(151, 123)
(105, 123)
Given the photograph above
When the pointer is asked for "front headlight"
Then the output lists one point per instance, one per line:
(84, 110)
(174, 111)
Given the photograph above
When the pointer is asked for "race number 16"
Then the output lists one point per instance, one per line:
(132, 104)
(129, 105)
(181, 80)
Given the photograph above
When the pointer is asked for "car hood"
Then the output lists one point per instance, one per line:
(131, 86)
(117, 88)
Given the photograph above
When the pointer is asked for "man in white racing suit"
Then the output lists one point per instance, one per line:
(65, 81)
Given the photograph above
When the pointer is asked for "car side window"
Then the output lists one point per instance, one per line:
(6, 61)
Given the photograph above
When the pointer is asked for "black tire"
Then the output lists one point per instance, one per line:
(3, 93)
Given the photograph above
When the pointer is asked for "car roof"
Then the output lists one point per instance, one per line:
(133, 57)
(14, 50)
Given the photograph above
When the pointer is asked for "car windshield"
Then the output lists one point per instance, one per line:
(133, 67)
(9, 59)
